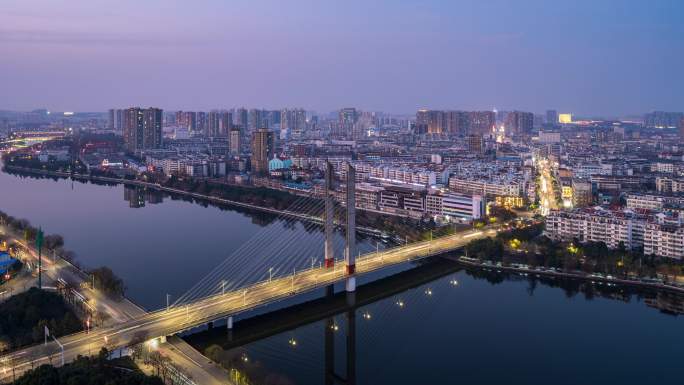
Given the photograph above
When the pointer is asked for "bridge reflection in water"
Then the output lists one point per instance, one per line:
(333, 317)
(326, 310)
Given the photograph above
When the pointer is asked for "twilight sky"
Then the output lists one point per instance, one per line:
(590, 57)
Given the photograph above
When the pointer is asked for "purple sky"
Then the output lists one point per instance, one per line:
(589, 57)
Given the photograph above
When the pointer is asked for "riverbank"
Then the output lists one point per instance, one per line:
(200, 197)
(553, 272)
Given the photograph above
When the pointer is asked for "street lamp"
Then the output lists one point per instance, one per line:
(270, 274)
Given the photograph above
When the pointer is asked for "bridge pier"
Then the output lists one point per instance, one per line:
(229, 327)
(350, 285)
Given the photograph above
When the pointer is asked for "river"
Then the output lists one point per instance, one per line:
(454, 327)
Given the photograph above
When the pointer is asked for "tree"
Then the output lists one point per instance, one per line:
(107, 281)
(54, 241)
(214, 352)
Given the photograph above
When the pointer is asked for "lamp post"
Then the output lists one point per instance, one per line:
(39, 246)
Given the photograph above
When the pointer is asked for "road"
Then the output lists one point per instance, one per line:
(177, 319)
(115, 312)
(547, 195)
(201, 370)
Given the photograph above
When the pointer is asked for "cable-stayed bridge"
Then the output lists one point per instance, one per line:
(234, 287)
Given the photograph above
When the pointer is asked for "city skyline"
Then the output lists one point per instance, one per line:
(609, 59)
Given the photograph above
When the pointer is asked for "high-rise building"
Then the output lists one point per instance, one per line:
(475, 144)
(142, 128)
(133, 128)
(662, 119)
(500, 116)
(115, 120)
(294, 120)
(234, 141)
(346, 120)
(186, 119)
(481, 122)
(263, 148)
(179, 119)
(241, 118)
(169, 118)
(152, 128)
(191, 118)
(213, 124)
(436, 122)
(118, 126)
(201, 124)
(456, 122)
(270, 119)
(226, 122)
(681, 128)
(255, 120)
(519, 123)
(551, 117)
(422, 121)
(431, 122)
(112, 119)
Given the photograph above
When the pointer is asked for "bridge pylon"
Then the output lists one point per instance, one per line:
(329, 216)
(350, 246)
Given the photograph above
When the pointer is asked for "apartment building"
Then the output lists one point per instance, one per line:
(597, 225)
(449, 205)
(661, 234)
(664, 237)
(485, 187)
(652, 202)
